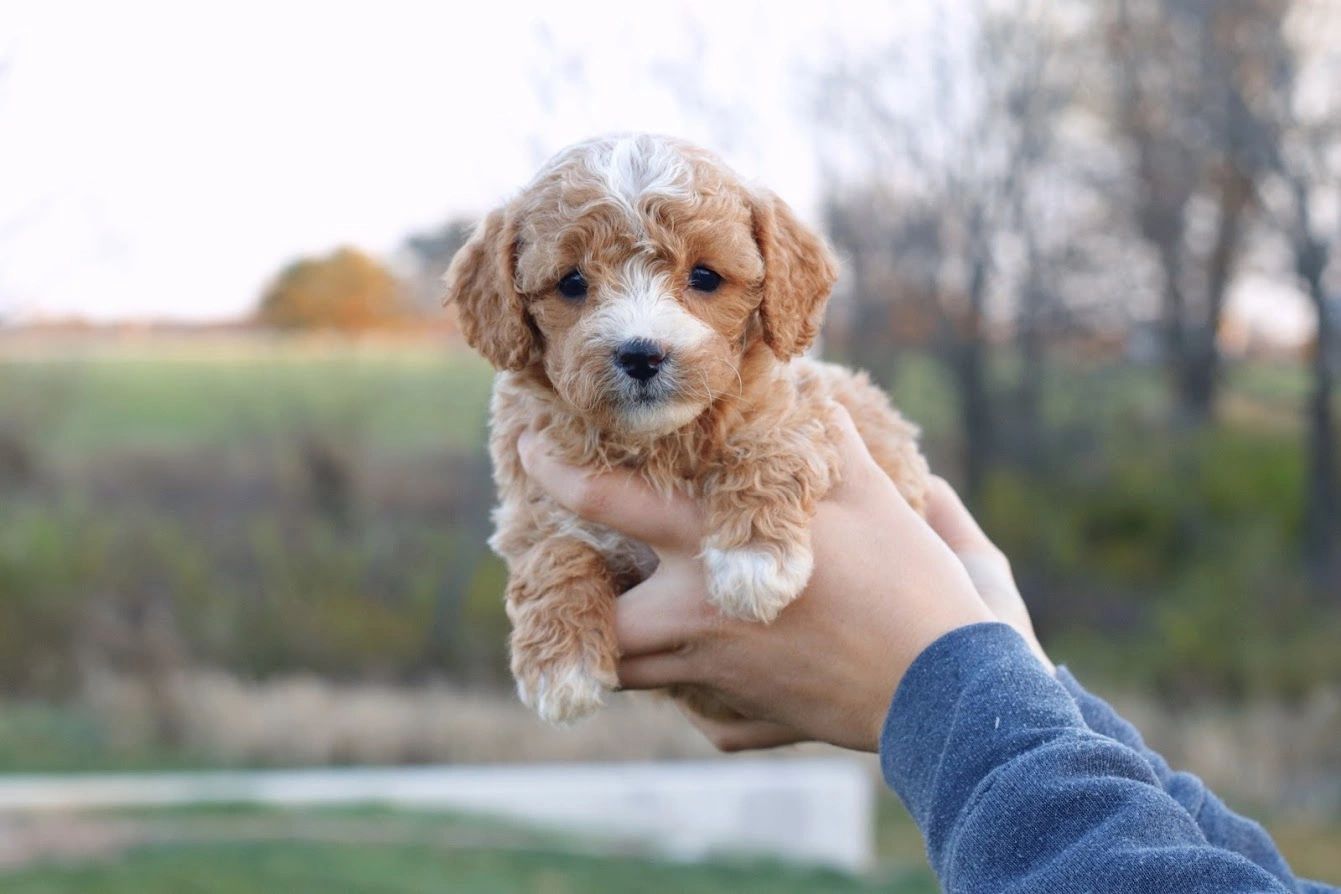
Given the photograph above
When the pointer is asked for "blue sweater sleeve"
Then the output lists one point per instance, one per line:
(1014, 793)
(1221, 826)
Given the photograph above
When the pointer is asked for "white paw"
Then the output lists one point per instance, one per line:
(564, 694)
(754, 583)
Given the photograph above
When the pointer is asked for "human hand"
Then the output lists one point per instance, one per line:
(885, 587)
(987, 566)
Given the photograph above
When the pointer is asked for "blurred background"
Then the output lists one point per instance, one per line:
(1092, 246)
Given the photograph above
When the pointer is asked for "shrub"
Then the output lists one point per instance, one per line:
(346, 291)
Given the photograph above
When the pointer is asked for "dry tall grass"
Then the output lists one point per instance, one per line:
(309, 720)
(1268, 756)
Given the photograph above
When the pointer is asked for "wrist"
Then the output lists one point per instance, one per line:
(920, 639)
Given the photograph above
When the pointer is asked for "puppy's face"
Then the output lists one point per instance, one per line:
(636, 273)
(641, 274)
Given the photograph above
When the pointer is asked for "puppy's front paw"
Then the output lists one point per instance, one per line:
(563, 693)
(756, 583)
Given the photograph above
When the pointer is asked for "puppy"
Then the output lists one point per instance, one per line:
(649, 311)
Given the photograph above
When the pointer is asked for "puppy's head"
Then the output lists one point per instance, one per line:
(636, 273)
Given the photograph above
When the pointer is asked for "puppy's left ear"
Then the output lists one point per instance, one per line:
(799, 273)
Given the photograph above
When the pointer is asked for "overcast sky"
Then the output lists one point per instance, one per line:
(162, 160)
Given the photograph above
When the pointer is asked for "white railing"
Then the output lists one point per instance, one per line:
(813, 810)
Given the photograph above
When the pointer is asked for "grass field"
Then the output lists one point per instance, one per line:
(240, 850)
(243, 850)
(209, 454)
(311, 868)
(79, 398)
(401, 396)
(275, 508)
(327, 868)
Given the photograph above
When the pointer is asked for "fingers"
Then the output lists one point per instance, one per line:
(987, 566)
(655, 671)
(664, 613)
(862, 476)
(617, 498)
(741, 734)
(858, 464)
(951, 520)
(658, 625)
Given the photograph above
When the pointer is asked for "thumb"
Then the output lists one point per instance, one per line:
(952, 522)
(616, 498)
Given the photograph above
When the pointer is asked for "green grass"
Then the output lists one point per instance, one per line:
(320, 868)
(1133, 540)
(371, 850)
(361, 851)
(405, 398)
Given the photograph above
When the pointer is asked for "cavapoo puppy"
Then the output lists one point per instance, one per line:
(649, 310)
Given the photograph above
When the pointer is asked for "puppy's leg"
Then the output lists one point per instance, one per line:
(758, 554)
(891, 439)
(560, 600)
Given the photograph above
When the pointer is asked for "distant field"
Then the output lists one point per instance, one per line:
(77, 396)
(75, 399)
(243, 851)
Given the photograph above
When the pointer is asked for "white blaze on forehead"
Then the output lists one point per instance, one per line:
(642, 305)
(633, 168)
(639, 166)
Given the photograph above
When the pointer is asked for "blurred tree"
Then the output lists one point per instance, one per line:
(430, 253)
(951, 210)
(346, 290)
(1299, 66)
(1182, 72)
(876, 307)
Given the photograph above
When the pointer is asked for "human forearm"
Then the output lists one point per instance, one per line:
(1013, 791)
(1221, 826)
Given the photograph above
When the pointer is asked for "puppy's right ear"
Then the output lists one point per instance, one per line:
(480, 282)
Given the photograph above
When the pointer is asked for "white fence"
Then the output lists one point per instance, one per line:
(817, 811)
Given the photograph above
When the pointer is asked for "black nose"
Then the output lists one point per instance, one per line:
(640, 359)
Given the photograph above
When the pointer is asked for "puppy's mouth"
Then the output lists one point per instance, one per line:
(643, 395)
(647, 394)
(655, 405)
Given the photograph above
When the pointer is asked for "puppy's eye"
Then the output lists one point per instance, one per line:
(701, 279)
(573, 285)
